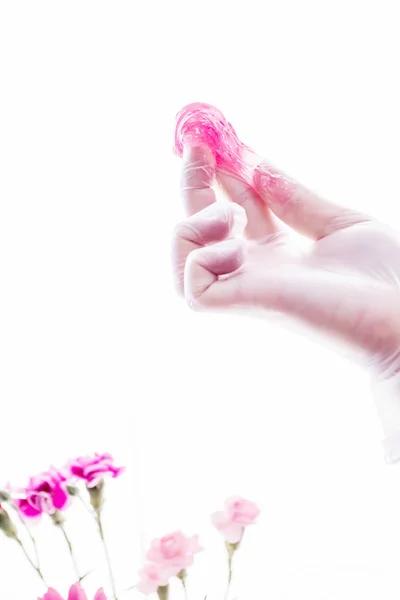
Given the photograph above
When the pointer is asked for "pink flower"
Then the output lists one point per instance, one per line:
(92, 469)
(152, 576)
(175, 551)
(238, 514)
(45, 493)
(75, 593)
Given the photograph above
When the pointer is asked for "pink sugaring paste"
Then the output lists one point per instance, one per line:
(204, 124)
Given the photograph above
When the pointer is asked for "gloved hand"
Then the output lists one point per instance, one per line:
(344, 286)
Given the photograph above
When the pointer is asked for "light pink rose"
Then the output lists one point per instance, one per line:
(75, 593)
(92, 469)
(45, 493)
(152, 576)
(174, 551)
(238, 514)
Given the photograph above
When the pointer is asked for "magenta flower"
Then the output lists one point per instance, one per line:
(75, 593)
(153, 576)
(174, 551)
(45, 493)
(92, 469)
(238, 514)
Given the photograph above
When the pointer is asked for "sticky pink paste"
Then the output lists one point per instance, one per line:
(204, 124)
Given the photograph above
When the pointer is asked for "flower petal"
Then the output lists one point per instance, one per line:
(147, 587)
(27, 509)
(233, 534)
(220, 520)
(76, 592)
(51, 594)
(194, 544)
(100, 595)
(59, 497)
(154, 554)
(241, 511)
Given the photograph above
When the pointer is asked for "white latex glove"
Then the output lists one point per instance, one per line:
(345, 286)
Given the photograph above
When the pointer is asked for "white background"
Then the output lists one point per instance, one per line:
(97, 352)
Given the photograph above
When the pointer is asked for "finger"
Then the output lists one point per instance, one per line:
(215, 223)
(203, 287)
(301, 209)
(260, 221)
(198, 175)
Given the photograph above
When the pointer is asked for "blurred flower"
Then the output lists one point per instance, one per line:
(238, 514)
(175, 551)
(92, 469)
(45, 493)
(75, 593)
(6, 525)
(154, 576)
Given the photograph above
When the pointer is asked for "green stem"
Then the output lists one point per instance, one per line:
(182, 576)
(37, 569)
(107, 554)
(185, 589)
(231, 548)
(30, 534)
(229, 576)
(69, 544)
(88, 508)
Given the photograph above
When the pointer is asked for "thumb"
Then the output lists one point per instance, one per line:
(205, 286)
(300, 208)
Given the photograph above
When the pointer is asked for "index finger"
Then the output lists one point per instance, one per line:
(261, 223)
(198, 175)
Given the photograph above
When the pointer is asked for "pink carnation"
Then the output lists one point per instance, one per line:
(92, 469)
(238, 514)
(152, 576)
(75, 593)
(175, 551)
(45, 493)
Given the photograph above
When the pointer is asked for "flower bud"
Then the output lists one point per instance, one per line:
(4, 496)
(6, 525)
(97, 496)
(57, 517)
(72, 490)
(162, 592)
(232, 548)
(182, 575)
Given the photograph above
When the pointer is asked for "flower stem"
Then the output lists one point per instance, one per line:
(107, 554)
(30, 534)
(70, 549)
(86, 507)
(182, 576)
(229, 577)
(37, 568)
(231, 548)
(185, 589)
